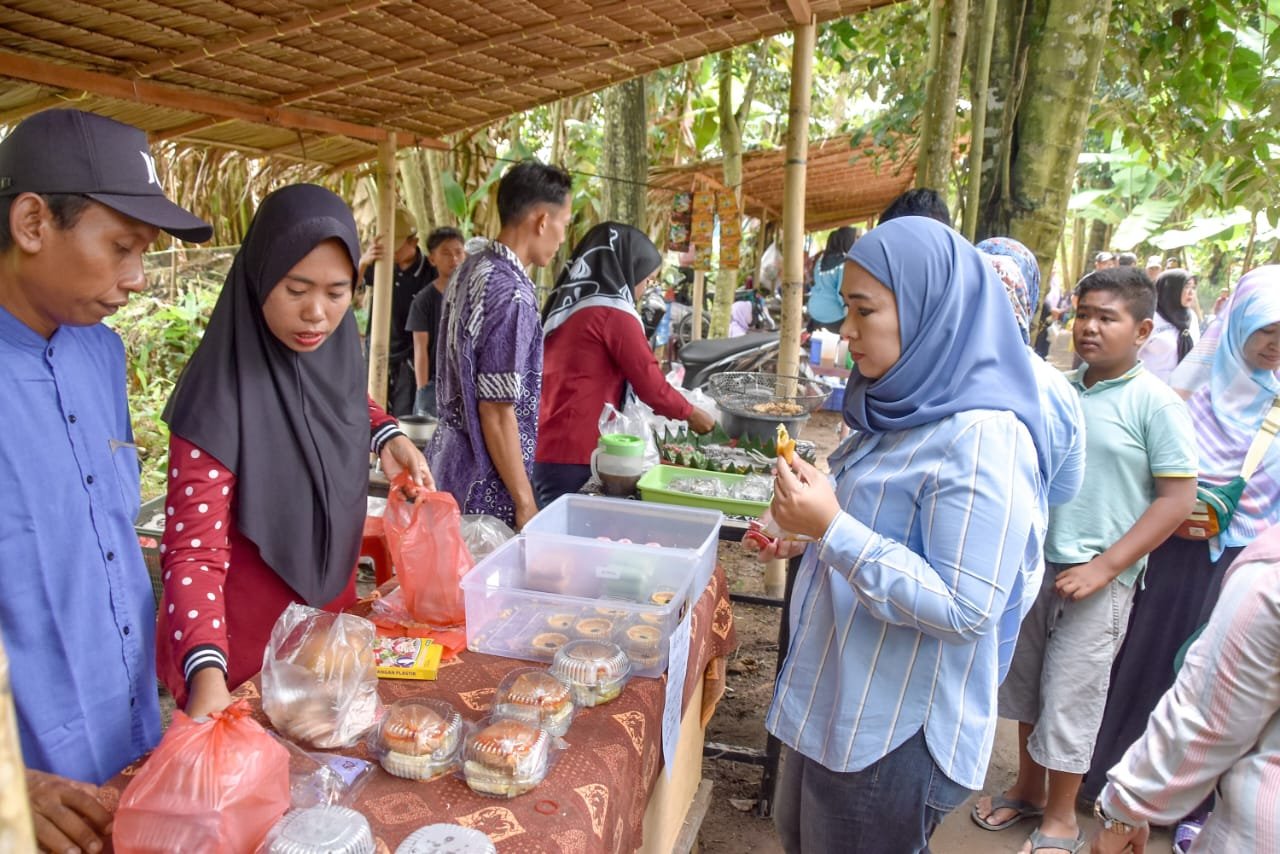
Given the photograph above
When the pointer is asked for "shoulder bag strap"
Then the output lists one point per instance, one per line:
(1262, 441)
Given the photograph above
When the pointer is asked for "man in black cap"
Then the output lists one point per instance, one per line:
(79, 205)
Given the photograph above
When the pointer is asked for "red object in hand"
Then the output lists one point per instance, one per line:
(755, 539)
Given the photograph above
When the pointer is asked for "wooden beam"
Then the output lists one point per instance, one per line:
(173, 97)
(17, 114)
(793, 225)
(265, 33)
(182, 130)
(801, 13)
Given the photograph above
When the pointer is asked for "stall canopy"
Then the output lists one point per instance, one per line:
(326, 81)
(847, 182)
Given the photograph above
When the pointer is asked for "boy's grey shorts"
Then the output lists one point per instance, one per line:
(1061, 671)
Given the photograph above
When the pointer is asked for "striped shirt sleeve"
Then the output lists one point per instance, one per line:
(954, 589)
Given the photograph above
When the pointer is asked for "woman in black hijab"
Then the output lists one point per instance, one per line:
(595, 347)
(271, 431)
(1176, 330)
(826, 306)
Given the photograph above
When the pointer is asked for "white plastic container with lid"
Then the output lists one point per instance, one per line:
(320, 830)
(447, 839)
(595, 671)
(690, 535)
(532, 596)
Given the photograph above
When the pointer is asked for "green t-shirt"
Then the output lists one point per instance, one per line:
(1136, 429)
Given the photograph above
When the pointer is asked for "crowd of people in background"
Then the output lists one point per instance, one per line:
(1089, 552)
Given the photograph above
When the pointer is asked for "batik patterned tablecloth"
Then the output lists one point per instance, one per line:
(595, 795)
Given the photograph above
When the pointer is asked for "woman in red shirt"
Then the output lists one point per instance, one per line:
(595, 347)
(269, 450)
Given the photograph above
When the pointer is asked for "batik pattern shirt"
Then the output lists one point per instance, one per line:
(491, 350)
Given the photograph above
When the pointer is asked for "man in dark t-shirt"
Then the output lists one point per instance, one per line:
(412, 273)
(445, 253)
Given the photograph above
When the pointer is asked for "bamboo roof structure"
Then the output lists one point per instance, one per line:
(847, 182)
(327, 80)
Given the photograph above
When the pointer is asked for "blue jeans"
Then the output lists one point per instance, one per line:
(892, 806)
(551, 480)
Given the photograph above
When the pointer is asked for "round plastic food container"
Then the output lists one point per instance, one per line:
(419, 739)
(447, 839)
(595, 671)
(505, 758)
(535, 696)
(320, 830)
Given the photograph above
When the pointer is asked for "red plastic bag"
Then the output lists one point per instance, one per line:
(424, 534)
(215, 786)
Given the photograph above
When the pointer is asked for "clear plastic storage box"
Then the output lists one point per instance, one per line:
(690, 536)
(536, 594)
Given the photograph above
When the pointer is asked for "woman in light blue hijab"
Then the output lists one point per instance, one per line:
(925, 552)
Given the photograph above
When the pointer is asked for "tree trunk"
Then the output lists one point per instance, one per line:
(933, 165)
(979, 75)
(413, 178)
(624, 159)
(435, 191)
(1064, 50)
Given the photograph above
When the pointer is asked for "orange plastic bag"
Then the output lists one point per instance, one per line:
(215, 786)
(424, 535)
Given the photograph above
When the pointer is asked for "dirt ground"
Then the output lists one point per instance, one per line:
(731, 825)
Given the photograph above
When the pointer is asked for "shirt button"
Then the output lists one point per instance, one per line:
(126, 630)
(89, 479)
(71, 418)
(111, 555)
(51, 351)
(133, 701)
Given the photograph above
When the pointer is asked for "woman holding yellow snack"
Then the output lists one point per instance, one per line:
(906, 608)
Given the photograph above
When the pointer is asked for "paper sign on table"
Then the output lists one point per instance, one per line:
(673, 708)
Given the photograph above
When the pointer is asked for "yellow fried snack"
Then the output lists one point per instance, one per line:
(786, 445)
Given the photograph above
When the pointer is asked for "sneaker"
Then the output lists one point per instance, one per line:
(1184, 835)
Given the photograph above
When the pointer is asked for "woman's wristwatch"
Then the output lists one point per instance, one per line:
(1109, 824)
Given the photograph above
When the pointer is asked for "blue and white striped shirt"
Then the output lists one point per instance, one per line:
(905, 615)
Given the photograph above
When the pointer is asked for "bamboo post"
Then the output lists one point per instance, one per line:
(699, 287)
(978, 132)
(793, 196)
(383, 279)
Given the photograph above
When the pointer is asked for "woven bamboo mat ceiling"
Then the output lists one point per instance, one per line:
(845, 184)
(324, 81)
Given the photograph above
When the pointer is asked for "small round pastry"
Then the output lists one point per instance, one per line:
(645, 658)
(533, 695)
(420, 739)
(662, 596)
(642, 635)
(505, 758)
(595, 671)
(547, 643)
(594, 627)
(560, 622)
(651, 619)
(615, 614)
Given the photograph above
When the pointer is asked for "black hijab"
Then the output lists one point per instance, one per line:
(602, 271)
(839, 242)
(1169, 288)
(293, 427)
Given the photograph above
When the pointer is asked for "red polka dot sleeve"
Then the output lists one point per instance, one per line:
(195, 556)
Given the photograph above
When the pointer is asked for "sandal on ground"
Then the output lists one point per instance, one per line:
(1040, 842)
(1022, 809)
(1185, 834)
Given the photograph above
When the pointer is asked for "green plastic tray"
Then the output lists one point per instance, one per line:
(653, 487)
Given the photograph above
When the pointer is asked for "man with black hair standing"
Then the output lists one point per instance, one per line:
(411, 273)
(445, 251)
(489, 377)
(918, 201)
(80, 203)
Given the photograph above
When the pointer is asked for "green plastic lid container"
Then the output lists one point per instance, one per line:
(621, 445)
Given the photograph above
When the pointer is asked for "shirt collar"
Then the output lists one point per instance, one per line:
(1077, 378)
(14, 331)
(507, 252)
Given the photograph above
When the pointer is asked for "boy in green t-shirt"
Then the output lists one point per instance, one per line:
(1139, 483)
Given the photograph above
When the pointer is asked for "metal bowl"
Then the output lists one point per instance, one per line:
(759, 426)
(742, 392)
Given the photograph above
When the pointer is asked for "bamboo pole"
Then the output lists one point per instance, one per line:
(793, 196)
(978, 131)
(383, 278)
(699, 288)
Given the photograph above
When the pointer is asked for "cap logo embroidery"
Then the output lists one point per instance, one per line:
(151, 168)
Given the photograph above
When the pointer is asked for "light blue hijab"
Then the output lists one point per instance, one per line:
(961, 348)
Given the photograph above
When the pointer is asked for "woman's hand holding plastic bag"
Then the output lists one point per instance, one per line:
(424, 535)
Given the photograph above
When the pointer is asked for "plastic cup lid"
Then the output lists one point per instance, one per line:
(621, 445)
(446, 839)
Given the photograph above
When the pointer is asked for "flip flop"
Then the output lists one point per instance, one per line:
(1040, 842)
(1023, 809)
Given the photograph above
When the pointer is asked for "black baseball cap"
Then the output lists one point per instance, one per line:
(71, 151)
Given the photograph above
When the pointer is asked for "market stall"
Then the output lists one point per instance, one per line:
(606, 792)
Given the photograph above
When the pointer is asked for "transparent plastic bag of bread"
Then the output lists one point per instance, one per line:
(424, 534)
(319, 679)
(215, 785)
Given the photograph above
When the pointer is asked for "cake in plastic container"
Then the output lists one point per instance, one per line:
(505, 758)
(535, 696)
(320, 830)
(595, 671)
(419, 739)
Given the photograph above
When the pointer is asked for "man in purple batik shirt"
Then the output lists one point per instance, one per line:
(489, 379)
